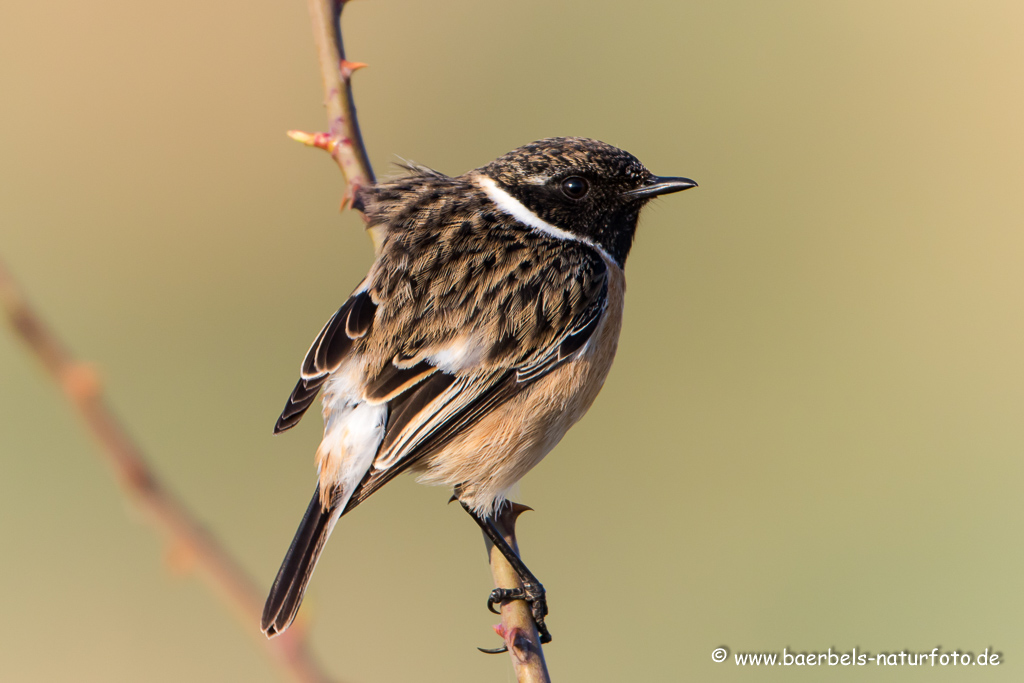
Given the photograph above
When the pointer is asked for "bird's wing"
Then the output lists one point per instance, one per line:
(521, 329)
(462, 310)
(351, 322)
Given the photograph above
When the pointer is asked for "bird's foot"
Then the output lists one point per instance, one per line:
(532, 593)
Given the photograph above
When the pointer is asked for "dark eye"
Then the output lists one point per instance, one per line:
(575, 187)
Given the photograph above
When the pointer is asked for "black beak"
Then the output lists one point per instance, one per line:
(657, 185)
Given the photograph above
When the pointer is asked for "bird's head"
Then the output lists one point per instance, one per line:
(584, 187)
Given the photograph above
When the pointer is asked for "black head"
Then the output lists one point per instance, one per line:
(585, 187)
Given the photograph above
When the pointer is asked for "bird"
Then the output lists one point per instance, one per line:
(484, 330)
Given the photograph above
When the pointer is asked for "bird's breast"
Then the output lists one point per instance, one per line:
(497, 452)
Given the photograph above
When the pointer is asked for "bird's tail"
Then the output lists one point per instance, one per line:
(299, 563)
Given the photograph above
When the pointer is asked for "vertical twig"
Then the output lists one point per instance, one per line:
(343, 139)
(189, 540)
(517, 627)
(345, 144)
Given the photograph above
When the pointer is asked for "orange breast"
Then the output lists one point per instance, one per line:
(489, 458)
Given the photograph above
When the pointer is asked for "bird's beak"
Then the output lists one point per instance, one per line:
(658, 185)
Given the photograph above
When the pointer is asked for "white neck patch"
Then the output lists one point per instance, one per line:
(514, 208)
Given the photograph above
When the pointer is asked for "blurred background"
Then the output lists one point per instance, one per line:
(811, 438)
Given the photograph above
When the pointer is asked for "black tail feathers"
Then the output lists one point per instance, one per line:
(293, 577)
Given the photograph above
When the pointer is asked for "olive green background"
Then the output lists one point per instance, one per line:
(811, 438)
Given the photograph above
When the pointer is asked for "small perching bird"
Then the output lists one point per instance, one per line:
(483, 331)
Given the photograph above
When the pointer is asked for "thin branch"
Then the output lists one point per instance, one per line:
(517, 627)
(343, 139)
(344, 142)
(191, 543)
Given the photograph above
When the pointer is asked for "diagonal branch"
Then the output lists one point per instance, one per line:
(187, 536)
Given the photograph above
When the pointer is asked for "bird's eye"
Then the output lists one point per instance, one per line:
(575, 187)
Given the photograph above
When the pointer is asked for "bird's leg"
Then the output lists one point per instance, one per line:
(532, 590)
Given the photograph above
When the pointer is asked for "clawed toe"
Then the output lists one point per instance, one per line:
(532, 593)
(499, 595)
(493, 651)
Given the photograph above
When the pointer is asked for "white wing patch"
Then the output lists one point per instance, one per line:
(458, 356)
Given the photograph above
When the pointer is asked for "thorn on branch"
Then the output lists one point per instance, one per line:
(518, 509)
(516, 640)
(81, 381)
(324, 141)
(348, 68)
(180, 558)
(352, 199)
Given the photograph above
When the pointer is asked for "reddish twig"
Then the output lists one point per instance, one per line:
(187, 536)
